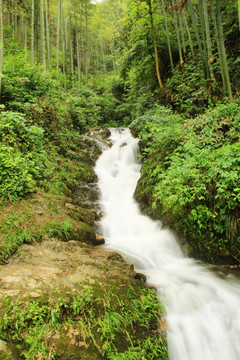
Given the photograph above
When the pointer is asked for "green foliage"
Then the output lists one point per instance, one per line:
(14, 234)
(188, 90)
(103, 320)
(22, 82)
(191, 173)
(83, 109)
(22, 155)
(59, 230)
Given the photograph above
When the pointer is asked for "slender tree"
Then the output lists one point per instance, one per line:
(1, 46)
(70, 43)
(64, 47)
(208, 38)
(194, 20)
(86, 40)
(32, 32)
(175, 18)
(47, 35)
(42, 36)
(204, 42)
(167, 32)
(188, 32)
(25, 32)
(58, 34)
(181, 27)
(154, 43)
(239, 13)
(103, 57)
(213, 13)
(223, 50)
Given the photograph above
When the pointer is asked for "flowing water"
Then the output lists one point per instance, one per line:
(203, 310)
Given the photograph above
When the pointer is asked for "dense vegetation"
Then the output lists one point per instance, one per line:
(101, 325)
(190, 177)
(169, 70)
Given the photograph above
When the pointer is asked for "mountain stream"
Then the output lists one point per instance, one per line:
(203, 310)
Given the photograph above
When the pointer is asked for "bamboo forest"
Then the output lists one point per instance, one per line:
(119, 179)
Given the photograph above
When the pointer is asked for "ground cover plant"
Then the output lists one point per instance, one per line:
(101, 325)
(190, 177)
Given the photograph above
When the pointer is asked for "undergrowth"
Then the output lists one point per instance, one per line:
(191, 177)
(107, 324)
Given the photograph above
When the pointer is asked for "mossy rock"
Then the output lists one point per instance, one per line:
(69, 346)
(8, 351)
(78, 213)
(83, 232)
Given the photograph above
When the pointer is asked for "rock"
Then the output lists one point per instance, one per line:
(140, 277)
(84, 233)
(70, 206)
(99, 240)
(8, 352)
(88, 216)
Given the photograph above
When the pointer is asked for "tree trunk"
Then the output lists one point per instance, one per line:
(70, 43)
(218, 46)
(198, 38)
(47, 35)
(42, 36)
(200, 6)
(81, 47)
(179, 15)
(209, 44)
(86, 41)
(77, 46)
(175, 18)
(1, 47)
(188, 32)
(25, 33)
(78, 60)
(154, 44)
(239, 13)
(64, 50)
(32, 34)
(103, 58)
(223, 50)
(167, 34)
(58, 35)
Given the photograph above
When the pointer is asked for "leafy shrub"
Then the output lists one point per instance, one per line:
(22, 155)
(83, 109)
(191, 173)
(188, 91)
(23, 82)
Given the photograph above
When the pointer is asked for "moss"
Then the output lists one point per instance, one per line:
(5, 356)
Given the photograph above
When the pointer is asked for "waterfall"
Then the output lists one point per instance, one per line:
(203, 310)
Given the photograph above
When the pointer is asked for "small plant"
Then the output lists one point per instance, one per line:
(108, 323)
(58, 229)
(190, 176)
(22, 156)
(14, 234)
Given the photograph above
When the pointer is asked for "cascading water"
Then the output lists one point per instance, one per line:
(203, 311)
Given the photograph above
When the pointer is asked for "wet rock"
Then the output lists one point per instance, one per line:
(88, 216)
(99, 240)
(116, 257)
(84, 233)
(140, 277)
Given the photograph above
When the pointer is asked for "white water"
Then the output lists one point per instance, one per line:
(203, 310)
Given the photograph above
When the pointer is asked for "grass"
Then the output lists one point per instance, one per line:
(108, 325)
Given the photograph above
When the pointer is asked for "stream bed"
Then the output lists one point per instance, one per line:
(203, 310)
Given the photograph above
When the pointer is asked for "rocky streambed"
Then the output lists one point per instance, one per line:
(61, 296)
